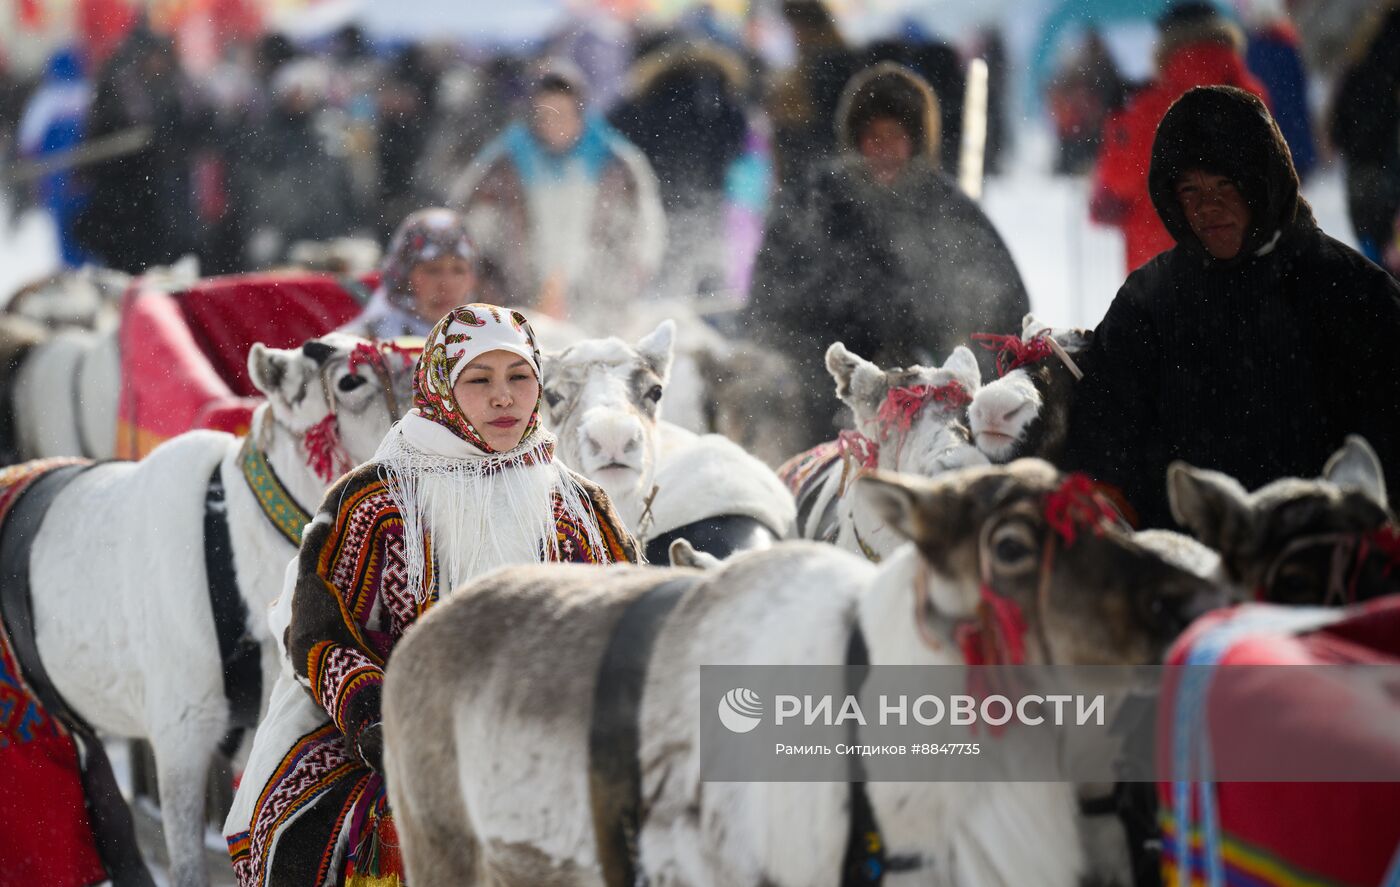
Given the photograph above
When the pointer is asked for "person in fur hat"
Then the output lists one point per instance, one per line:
(466, 482)
(564, 211)
(880, 251)
(1197, 47)
(1256, 343)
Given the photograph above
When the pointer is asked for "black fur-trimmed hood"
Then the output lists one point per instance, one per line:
(1229, 132)
(890, 90)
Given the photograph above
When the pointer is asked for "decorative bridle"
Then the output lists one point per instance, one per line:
(325, 455)
(997, 634)
(1026, 352)
(896, 416)
(1350, 551)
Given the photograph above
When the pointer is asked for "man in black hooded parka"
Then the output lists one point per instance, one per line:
(1256, 344)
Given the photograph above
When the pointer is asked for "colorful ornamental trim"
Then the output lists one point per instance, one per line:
(277, 504)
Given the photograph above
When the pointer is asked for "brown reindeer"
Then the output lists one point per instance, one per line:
(489, 704)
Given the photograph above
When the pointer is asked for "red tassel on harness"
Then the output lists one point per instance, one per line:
(902, 405)
(1022, 353)
(856, 448)
(374, 354)
(324, 454)
(1386, 540)
(1076, 505)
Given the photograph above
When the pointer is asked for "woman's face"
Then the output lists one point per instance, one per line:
(497, 392)
(556, 120)
(441, 284)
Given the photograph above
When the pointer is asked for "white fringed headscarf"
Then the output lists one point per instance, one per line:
(480, 509)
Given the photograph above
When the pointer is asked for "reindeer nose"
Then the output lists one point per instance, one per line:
(612, 437)
(1174, 608)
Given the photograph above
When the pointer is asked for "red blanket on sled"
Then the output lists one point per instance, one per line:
(45, 835)
(1296, 833)
(184, 356)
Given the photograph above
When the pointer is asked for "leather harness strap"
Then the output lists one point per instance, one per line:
(112, 827)
(721, 536)
(239, 652)
(865, 862)
(614, 736)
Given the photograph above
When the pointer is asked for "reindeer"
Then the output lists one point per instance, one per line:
(1325, 541)
(907, 420)
(488, 791)
(122, 612)
(1025, 411)
(603, 398)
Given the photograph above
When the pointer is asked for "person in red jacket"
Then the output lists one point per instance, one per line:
(1197, 47)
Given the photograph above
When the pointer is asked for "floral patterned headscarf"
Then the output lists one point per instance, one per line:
(425, 235)
(462, 335)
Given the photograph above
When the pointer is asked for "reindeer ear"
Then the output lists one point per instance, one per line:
(859, 383)
(683, 554)
(278, 373)
(1213, 506)
(1356, 465)
(658, 346)
(963, 365)
(906, 504)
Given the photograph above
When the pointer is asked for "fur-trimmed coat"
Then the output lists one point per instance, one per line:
(575, 235)
(901, 274)
(350, 606)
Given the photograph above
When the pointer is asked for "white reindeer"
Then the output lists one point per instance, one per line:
(603, 399)
(1025, 412)
(486, 790)
(907, 420)
(122, 610)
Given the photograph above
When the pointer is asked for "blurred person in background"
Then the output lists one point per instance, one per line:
(564, 211)
(1275, 56)
(139, 211)
(685, 113)
(407, 104)
(430, 269)
(802, 101)
(53, 123)
(1196, 46)
(293, 179)
(882, 252)
(939, 64)
(1086, 90)
(1365, 129)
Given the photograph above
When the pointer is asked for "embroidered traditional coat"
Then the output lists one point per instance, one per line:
(322, 818)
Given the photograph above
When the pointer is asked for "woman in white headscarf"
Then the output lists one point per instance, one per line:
(465, 483)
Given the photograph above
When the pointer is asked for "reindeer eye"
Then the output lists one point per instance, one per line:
(1013, 546)
(654, 395)
(350, 382)
(552, 397)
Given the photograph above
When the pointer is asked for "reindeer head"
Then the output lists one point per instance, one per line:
(1329, 540)
(337, 395)
(1039, 565)
(1025, 412)
(910, 419)
(601, 398)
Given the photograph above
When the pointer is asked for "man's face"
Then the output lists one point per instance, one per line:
(557, 120)
(886, 147)
(1216, 210)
